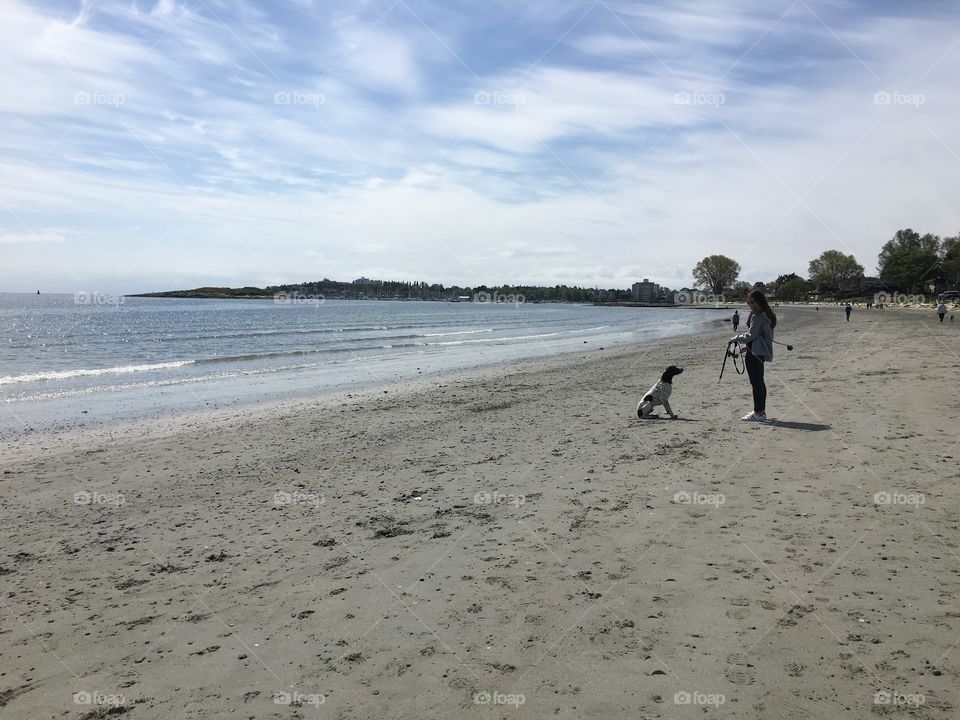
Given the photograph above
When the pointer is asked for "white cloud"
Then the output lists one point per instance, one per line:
(376, 58)
(594, 174)
(33, 236)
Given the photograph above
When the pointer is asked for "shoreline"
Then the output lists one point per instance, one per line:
(515, 534)
(47, 435)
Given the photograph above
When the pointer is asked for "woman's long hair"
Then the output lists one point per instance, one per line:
(760, 300)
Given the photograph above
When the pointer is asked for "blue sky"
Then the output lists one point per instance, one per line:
(157, 145)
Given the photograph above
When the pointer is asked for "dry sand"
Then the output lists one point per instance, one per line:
(514, 537)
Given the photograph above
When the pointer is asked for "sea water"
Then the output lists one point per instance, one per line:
(67, 358)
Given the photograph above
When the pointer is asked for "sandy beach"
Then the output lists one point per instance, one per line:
(513, 543)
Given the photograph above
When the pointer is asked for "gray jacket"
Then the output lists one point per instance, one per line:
(759, 336)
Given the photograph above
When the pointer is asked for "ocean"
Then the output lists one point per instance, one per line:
(69, 359)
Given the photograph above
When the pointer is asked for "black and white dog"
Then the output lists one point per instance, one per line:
(659, 394)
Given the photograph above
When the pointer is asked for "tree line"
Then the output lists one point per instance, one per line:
(908, 262)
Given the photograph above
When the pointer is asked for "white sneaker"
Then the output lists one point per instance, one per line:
(754, 417)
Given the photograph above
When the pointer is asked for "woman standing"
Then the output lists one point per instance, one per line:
(759, 341)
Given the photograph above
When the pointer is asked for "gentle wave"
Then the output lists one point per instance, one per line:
(167, 382)
(66, 374)
(459, 332)
(393, 344)
(520, 337)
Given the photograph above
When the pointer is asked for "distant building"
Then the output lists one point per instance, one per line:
(646, 291)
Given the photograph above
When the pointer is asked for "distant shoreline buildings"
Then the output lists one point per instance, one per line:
(646, 291)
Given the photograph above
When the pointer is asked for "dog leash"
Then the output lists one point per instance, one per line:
(735, 353)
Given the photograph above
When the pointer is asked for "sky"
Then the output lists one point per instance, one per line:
(155, 145)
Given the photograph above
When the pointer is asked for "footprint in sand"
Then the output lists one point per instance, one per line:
(794, 614)
(740, 671)
(794, 669)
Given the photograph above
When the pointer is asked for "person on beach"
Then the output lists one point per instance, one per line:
(848, 309)
(736, 320)
(941, 311)
(759, 341)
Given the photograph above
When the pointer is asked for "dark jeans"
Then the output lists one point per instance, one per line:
(755, 373)
(941, 316)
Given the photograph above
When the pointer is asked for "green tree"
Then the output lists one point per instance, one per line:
(911, 270)
(907, 239)
(793, 289)
(833, 267)
(950, 259)
(910, 260)
(740, 289)
(784, 278)
(716, 272)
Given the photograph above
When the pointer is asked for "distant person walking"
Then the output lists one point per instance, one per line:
(848, 309)
(759, 341)
(736, 320)
(941, 311)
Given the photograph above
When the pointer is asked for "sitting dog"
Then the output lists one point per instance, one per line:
(659, 394)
